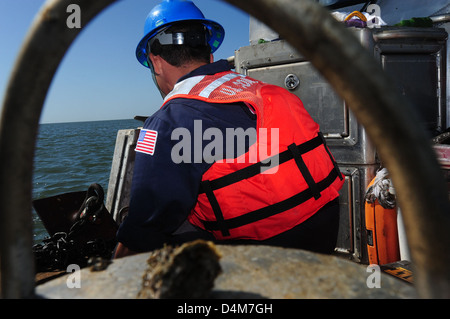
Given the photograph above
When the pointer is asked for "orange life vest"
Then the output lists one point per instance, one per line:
(237, 198)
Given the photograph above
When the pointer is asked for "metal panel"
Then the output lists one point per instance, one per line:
(265, 54)
(121, 175)
(346, 236)
(275, 63)
(415, 59)
(318, 97)
(442, 20)
(352, 236)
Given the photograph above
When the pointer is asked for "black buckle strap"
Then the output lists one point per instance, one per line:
(220, 221)
(257, 168)
(293, 152)
(336, 167)
(271, 210)
(304, 170)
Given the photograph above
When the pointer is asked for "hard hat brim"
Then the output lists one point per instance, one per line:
(218, 34)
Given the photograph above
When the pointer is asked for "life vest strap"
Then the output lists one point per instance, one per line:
(216, 209)
(336, 167)
(271, 210)
(293, 152)
(304, 170)
(257, 168)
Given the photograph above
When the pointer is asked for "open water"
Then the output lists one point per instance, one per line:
(71, 156)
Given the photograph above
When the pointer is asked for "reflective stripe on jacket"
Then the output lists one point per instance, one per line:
(262, 193)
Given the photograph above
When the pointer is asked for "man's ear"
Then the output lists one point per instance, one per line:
(157, 63)
(211, 58)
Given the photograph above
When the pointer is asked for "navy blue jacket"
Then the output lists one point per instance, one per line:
(163, 190)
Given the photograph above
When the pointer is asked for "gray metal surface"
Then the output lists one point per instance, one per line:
(442, 20)
(352, 235)
(121, 173)
(247, 272)
(272, 62)
(415, 59)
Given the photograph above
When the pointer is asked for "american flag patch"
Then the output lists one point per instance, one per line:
(147, 141)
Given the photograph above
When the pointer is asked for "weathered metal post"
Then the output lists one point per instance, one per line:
(44, 47)
(391, 125)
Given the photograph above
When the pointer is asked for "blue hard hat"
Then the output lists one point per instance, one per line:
(169, 12)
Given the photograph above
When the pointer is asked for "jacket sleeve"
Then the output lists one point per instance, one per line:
(163, 190)
(167, 175)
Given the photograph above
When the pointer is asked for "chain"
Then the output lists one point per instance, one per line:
(63, 249)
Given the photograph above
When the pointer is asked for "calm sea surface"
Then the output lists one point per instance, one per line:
(71, 156)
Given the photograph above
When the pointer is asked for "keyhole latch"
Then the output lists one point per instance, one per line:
(291, 82)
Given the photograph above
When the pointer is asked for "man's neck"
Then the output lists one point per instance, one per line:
(188, 68)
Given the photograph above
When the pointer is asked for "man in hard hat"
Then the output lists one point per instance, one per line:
(278, 186)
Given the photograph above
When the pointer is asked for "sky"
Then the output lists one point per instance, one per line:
(100, 77)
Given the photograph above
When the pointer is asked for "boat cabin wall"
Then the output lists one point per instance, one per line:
(417, 60)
